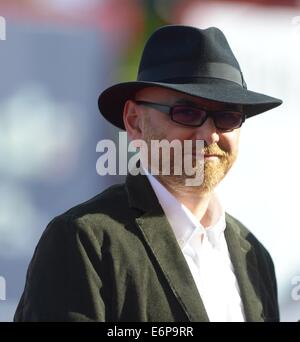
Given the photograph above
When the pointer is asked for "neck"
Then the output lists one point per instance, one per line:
(198, 202)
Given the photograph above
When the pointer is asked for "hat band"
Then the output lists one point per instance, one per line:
(183, 70)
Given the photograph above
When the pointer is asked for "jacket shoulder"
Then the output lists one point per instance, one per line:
(71, 259)
(104, 210)
(114, 197)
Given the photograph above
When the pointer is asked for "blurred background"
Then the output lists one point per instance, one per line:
(58, 55)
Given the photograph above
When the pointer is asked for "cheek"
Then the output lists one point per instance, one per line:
(178, 133)
(161, 127)
(175, 131)
(230, 141)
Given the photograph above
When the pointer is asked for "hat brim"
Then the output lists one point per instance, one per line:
(111, 101)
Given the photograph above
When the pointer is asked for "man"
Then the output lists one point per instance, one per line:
(155, 249)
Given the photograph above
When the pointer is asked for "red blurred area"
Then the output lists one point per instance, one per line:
(107, 15)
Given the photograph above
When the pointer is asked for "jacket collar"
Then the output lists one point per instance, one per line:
(160, 238)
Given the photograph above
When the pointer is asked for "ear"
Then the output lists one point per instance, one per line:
(132, 119)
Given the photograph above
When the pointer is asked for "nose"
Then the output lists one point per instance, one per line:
(208, 132)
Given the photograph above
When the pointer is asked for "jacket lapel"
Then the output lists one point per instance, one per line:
(161, 240)
(245, 267)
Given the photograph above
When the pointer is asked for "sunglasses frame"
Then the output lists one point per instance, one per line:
(167, 109)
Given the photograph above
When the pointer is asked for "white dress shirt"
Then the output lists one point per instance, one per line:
(206, 253)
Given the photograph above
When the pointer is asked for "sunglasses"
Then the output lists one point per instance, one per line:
(187, 115)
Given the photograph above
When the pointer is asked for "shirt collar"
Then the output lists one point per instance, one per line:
(183, 222)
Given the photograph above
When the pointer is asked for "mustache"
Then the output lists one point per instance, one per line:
(212, 149)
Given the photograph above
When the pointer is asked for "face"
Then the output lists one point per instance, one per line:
(149, 124)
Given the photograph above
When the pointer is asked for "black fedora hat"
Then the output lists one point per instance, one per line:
(192, 61)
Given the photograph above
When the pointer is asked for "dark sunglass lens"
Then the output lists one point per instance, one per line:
(188, 115)
(228, 120)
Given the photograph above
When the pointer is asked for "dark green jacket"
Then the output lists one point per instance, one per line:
(115, 258)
